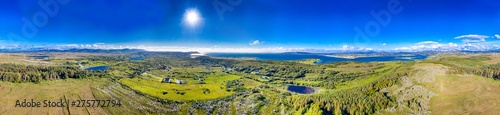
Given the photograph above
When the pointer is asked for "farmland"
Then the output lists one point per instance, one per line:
(214, 87)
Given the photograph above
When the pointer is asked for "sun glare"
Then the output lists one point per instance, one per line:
(192, 17)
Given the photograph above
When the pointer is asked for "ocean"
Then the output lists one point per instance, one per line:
(323, 58)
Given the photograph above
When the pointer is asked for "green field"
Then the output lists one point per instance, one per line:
(192, 90)
(307, 61)
(50, 90)
(464, 95)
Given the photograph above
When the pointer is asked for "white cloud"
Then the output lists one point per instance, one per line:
(497, 36)
(473, 41)
(472, 38)
(451, 44)
(352, 48)
(434, 46)
(346, 47)
(427, 43)
(221, 49)
(383, 44)
(256, 42)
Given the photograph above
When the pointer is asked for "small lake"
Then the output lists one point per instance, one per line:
(137, 58)
(39, 57)
(300, 89)
(97, 68)
(322, 58)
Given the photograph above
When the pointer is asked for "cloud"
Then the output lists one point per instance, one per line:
(427, 43)
(383, 44)
(473, 41)
(472, 38)
(97, 44)
(256, 42)
(204, 50)
(451, 44)
(353, 48)
(497, 36)
(346, 47)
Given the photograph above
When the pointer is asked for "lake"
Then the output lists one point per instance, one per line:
(39, 57)
(97, 68)
(323, 58)
(137, 58)
(300, 89)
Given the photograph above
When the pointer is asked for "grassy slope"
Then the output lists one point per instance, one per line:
(365, 80)
(306, 61)
(465, 95)
(193, 91)
(49, 90)
(443, 94)
(19, 58)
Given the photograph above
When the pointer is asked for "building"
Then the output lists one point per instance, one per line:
(180, 82)
(271, 73)
(264, 77)
(171, 80)
(166, 80)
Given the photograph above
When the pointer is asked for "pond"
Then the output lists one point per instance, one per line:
(137, 58)
(97, 68)
(300, 89)
(39, 57)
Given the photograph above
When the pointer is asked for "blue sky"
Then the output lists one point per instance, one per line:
(274, 23)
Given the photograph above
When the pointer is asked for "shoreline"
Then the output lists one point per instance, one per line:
(235, 58)
(348, 57)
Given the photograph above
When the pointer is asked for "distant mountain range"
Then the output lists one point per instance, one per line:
(75, 50)
(424, 50)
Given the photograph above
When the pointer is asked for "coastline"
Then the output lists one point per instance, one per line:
(348, 56)
(235, 58)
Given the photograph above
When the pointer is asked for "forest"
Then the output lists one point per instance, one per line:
(366, 99)
(29, 73)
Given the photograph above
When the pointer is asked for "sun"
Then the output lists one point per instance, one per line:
(192, 16)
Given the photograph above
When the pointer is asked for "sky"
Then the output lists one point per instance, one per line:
(378, 24)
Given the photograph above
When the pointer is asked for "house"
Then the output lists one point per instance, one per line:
(167, 68)
(180, 82)
(166, 80)
(171, 80)
(255, 71)
(227, 69)
(264, 77)
(208, 67)
(271, 73)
